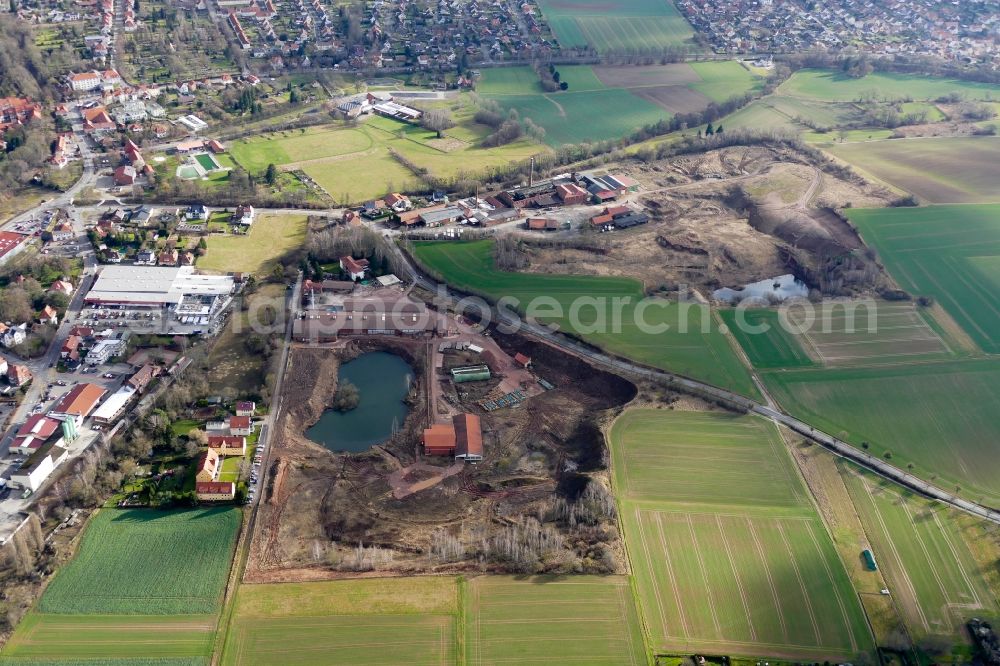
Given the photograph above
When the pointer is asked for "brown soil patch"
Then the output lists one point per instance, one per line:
(447, 144)
(630, 76)
(675, 99)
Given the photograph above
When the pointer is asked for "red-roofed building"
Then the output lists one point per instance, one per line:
(33, 433)
(18, 111)
(356, 268)
(79, 402)
(240, 425)
(228, 445)
(18, 375)
(468, 438)
(98, 120)
(140, 380)
(246, 408)
(70, 348)
(215, 491)
(216, 146)
(603, 221)
(10, 243)
(208, 466)
(522, 360)
(571, 194)
(439, 440)
(125, 175)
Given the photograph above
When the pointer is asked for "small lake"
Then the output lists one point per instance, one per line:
(780, 288)
(383, 381)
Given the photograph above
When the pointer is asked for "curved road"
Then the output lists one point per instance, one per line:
(837, 446)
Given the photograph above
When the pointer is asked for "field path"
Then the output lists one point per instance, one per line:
(291, 166)
(562, 111)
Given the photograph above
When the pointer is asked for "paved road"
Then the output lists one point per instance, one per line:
(837, 446)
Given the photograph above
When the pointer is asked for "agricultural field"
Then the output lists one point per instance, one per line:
(937, 416)
(721, 80)
(691, 344)
(767, 343)
(300, 145)
(937, 170)
(364, 621)
(147, 562)
(729, 554)
(625, 27)
(73, 638)
(836, 333)
(570, 619)
(935, 579)
(950, 253)
(257, 252)
(832, 86)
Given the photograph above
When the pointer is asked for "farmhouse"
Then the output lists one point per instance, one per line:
(571, 194)
(215, 491)
(208, 466)
(228, 445)
(78, 403)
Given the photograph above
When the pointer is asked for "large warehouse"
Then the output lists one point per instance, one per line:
(187, 297)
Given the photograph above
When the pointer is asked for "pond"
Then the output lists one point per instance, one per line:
(383, 381)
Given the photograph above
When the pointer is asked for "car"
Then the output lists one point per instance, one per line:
(109, 375)
(61, 383)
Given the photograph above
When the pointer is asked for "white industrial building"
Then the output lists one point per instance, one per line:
(33, 472)
(114, 407)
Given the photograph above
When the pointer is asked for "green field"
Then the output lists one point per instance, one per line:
(938, 170)
(933, 576)
(365, 621)
(723, 79)
(947, 252)
(938, 416)
(270, 238)
(571, 619)
(728, 553)
(837, 87)
(700, 351)
(147, 562)
(625, 27)
(354, 164)
(766, 342)
(74, 638)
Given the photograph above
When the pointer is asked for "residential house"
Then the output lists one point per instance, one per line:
(228, 445)
(18, 375)
(215, 491)
(11, 336)
(168, 258)
(145, 257)
(398, 202)
(243, 215)
(142, 377)
(105, 350)
(125, 175)
(246, 408)
(356, 268)
(196, 212)
(208, 467)
(98, 120)
(49, 315)
(240, 425)
(61, 287)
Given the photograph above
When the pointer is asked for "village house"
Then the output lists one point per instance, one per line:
(240, 425)
(142, 377)
(125, 175)
(208, 466)
(48, 315)
(243, 215)
(168, 258)
(355, 268)
(215, 491)
(18, 375)
(11, 336)
(228, 445)
(245, 408)
(61, 287)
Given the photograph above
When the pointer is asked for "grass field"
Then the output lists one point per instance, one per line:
(724, 79)
(147, 562)
(270, 238)
(938, 170)
(354, 164)
(948, 252)
(938, 416)
(626, 26)
(74, 638)
(571, 619)
(766, 342)
(931, 573)
(728, 553)
(837, 87)
(366, 621)
(700, 351)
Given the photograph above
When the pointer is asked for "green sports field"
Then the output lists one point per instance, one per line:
(920, 551)
(939, 416)
(728, 553)
(948, 252)
(364, 621)
(147, 562)
(835, 86)
(625, 26)
(691, 344)
(74, 638)
(938, 170)
(539, 620)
